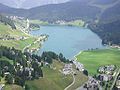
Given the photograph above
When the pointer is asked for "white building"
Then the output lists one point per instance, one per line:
(78, 65)
(67, 69)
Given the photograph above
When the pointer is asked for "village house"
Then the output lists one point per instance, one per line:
(105, 77)
(61, 22)
(115, 46)
(78, 65)
(108, 69)
(67, 69)
(92, 84)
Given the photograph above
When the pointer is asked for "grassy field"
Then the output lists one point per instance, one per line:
(80, 79)
(39, 22)
(13, 87)
(93, 59)
(18, 44)
(52, 80)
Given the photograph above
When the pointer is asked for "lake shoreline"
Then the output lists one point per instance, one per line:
(83, 39)
(61, 25)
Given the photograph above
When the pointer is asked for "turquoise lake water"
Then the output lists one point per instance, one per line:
(68, 40)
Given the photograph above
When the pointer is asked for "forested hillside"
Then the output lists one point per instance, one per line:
(111, 14)
(109, 32)
(53, 12)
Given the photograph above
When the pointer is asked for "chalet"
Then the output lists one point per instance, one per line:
(67, 69)
(78, 65)
(92, 84)
(105, 77)
(106, 69)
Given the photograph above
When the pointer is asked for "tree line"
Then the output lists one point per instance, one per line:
(24, 66)
(108, 32)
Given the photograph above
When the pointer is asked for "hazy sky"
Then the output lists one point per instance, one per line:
(29, 3)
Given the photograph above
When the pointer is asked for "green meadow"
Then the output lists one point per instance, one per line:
(18, 44)
(92, 60)
(53, 79)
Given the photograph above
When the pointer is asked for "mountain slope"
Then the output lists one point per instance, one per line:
(111, 14)
(11, 11)
(64, 11)
(108, 27)
(75, 9)
(108, 32)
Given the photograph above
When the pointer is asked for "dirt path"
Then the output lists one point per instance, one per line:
(117, 73)
(71, 83)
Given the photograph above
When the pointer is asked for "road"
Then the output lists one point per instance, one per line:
(115, 79)
(71, 83)
(29, 45)
(38, 40)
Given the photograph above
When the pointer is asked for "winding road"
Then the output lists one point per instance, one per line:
(117, 73)
(71, 83)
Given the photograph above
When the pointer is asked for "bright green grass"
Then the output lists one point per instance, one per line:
(6, 59)
(13, 87)
(96, 58)
(52, 80)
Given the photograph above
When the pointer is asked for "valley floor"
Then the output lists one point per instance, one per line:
(93, 59)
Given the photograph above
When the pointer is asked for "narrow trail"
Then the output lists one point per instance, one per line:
(73, 74)
(29, 45)
(26, 47)
(115, 79)
(71, 83)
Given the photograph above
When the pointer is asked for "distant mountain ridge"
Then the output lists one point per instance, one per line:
(29, 3)
(101, 16)
(75, 9)
(53, 12)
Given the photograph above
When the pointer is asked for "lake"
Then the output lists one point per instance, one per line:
(68, 40)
